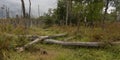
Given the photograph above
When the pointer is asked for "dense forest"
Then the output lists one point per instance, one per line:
(74, 30)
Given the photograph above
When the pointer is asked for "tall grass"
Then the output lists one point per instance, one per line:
(110, 33)
(4, 46)
(7, 43)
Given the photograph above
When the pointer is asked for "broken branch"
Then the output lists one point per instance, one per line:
(39, 39)
(81, 44)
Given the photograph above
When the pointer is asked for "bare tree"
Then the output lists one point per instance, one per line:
(3, 7)
(68, 10)
(38, 10)
(29, 8)
(23, 8)
(7, 13)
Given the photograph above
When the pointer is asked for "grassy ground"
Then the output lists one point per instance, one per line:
(57, 52)
(62, 53)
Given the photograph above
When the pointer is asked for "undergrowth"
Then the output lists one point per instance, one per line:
(110, 33)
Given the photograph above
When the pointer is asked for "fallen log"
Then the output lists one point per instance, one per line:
(39, 39)
(36, 36)
(80, 44)
(27, 36)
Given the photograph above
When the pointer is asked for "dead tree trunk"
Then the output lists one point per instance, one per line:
(29, 8)
(7, 13)
(80, 44)
(3, 7)
(39, 39)
(47, 39)
(68, 10)
(23, 8)
(38, 11)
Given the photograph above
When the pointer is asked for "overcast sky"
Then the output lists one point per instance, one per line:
(15, 5)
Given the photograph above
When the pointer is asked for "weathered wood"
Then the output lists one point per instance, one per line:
(47, 39)
(81, 44)
(23, 8)
(16, 36)
(39, 39)
(36, 36)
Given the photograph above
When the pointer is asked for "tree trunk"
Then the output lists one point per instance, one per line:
(23, 8)
(38, 11)
(7, 13)
(68, 10)
(80, 44)
(29, 8)
(38, 39)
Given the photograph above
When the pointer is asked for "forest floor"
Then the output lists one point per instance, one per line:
(58, 52)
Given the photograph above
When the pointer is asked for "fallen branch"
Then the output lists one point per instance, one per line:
(47, 39)
(81, 44)
(27, 36)
(33, 37)
(39, 39)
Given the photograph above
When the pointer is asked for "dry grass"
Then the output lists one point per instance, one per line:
(110, 33)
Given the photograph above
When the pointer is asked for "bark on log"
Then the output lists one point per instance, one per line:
(36, 36)
(42, 38)
(16, 36)
(39, 39)
(81, 44)
(47, 39)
